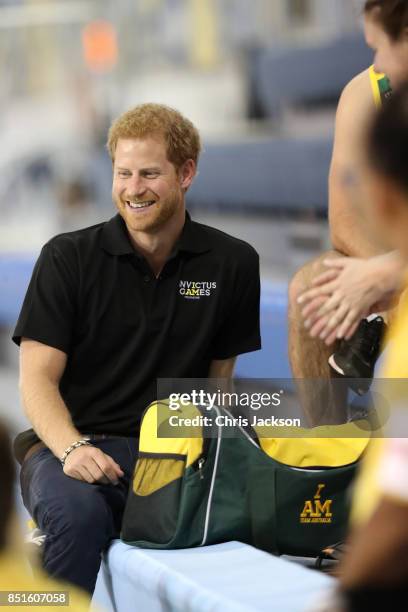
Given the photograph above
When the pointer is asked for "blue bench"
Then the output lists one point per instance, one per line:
(15, 274)
(230, 577)
(308, 74)
(283, 175)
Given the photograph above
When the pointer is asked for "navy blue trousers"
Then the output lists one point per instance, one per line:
(78, 518)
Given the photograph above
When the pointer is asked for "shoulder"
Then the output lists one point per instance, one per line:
(69, 243)
(355, 107)
(357, 97)
(358, 89)
(227, 245)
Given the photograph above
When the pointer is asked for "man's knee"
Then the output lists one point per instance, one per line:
(77, 529)
(302, 279)
(297, 286)
(85, 517)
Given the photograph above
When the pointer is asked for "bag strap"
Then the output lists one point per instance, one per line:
(335, 552)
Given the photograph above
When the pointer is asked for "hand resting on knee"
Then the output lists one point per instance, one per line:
(348, 291)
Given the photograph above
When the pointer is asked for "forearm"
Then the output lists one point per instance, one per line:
(48, 414)
(52, 422)
(394, 270)
(385, 276)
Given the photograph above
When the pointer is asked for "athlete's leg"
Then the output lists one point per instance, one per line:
(309, 356)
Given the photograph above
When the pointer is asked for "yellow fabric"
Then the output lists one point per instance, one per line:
(15, 576)
(367, 492)
(375, 77)
(329, 446)
(319, 451)
(153, 474)
(156, 418)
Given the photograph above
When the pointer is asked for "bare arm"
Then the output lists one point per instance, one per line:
(222, 368)
(41, 369)
(348, 224)
(368, 279)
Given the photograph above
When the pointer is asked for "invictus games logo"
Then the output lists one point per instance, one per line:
(315, 510)
(194, 290)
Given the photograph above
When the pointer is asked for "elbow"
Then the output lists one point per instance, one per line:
(24, 382)
(21, 386)
(23, 389)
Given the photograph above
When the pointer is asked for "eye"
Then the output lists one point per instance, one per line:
(151, 174)
(123, 174)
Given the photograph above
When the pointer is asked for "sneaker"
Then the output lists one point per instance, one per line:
(355, 358)
(35, 538)
(33, 545)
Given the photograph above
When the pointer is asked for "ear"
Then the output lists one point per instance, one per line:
(187, 173)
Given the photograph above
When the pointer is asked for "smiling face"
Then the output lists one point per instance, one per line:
(391, 56)
(147, 189)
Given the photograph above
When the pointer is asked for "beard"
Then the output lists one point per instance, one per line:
(153, 217)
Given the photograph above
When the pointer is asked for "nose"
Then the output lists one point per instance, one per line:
(136, 186)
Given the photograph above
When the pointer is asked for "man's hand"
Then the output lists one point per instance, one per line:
(351, 289)
(92, 465)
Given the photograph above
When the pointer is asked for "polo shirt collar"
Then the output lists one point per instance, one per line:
(115, 238)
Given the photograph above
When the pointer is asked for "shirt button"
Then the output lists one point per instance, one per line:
(146, 278)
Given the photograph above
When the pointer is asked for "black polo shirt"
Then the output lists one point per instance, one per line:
(95, 298)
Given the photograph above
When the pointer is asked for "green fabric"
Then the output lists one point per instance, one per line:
(255, 499)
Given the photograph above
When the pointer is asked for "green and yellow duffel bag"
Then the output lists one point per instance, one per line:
(286, 495)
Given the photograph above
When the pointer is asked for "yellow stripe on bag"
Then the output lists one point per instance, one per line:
(328, 445)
